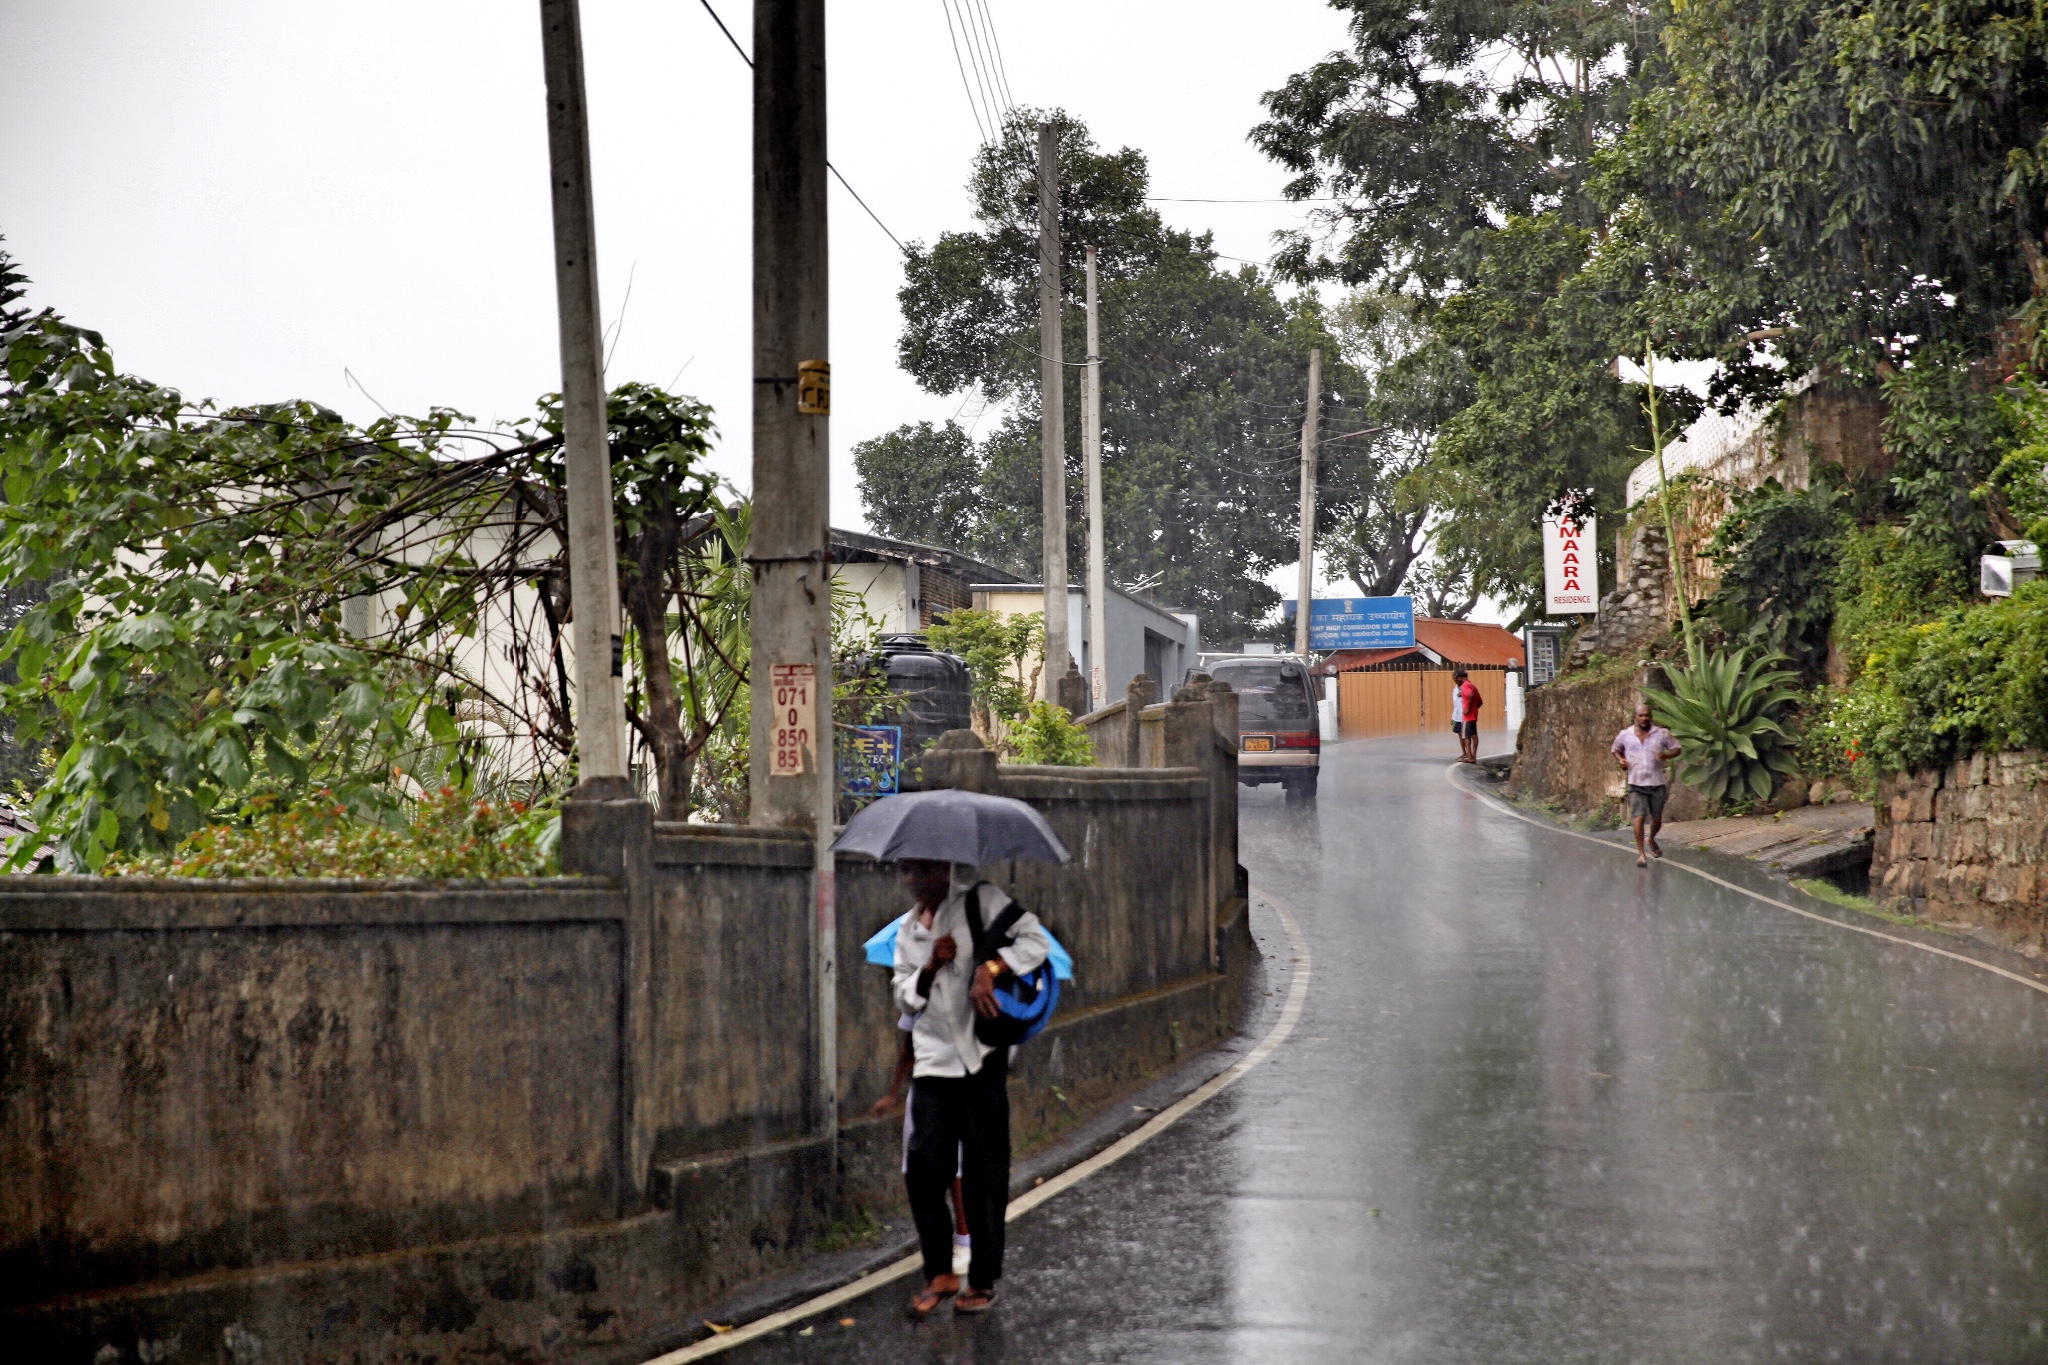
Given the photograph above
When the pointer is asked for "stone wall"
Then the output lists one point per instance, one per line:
(1968, 844)
(548, 1120)
(1561, 754)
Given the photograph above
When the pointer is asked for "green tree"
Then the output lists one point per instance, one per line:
(1440, 121)
(1203, 371)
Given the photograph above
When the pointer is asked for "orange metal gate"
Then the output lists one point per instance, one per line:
(1412, 701)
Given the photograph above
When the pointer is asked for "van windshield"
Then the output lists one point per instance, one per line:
(1269, 696)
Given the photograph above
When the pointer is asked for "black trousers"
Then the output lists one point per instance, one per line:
(961, 1123)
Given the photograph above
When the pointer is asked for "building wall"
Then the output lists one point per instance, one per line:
(1127, 622)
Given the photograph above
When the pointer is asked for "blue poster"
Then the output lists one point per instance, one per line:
(870, 757)
(1360, 622)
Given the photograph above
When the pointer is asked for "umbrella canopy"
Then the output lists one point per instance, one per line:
(881, 950)
(952, 827)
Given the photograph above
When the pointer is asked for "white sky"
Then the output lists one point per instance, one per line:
(249, 197)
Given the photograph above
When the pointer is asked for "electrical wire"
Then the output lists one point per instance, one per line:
(972, 107)
(983, 78)
(992, 52)
(836, 172)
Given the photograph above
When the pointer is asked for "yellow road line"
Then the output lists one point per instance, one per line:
(1290, 1015)
(1451, 775)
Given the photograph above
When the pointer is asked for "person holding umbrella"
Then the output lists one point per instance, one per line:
(948, 966)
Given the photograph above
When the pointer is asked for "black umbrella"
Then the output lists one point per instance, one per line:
(953, 827)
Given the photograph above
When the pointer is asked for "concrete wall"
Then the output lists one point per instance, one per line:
(532, 1120)
(1968, 844)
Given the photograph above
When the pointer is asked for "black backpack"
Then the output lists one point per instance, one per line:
(1024, 1003)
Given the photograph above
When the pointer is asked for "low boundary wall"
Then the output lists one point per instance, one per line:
(534, 1120)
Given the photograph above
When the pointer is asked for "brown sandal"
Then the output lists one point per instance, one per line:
(933, 1294)
(972, 1300)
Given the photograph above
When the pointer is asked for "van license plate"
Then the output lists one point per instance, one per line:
(1258, 744)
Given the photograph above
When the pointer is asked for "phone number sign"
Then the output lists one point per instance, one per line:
(795, 690)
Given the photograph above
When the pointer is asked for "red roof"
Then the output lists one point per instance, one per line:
(1473, 643)
(1479, 644)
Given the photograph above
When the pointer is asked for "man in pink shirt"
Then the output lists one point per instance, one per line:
(1641, 750)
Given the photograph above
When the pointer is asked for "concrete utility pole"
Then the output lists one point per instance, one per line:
(1305, 594)
(1053, 420)
(790, 764)
(1091, 441)
(593, 558)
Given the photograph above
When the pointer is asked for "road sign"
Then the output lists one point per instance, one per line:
(1571, 566)
(870, 757)
(1360, 622)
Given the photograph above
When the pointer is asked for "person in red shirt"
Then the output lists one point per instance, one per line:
(1469, 702)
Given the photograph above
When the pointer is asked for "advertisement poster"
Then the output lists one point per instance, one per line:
(1571, 568)
(870, 758)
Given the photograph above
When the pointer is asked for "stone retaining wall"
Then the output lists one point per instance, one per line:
(1968, 844)
(1561, 754)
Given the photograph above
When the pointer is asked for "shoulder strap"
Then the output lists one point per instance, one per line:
(994, 936)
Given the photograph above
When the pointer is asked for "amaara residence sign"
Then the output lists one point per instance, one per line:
(1571, 570)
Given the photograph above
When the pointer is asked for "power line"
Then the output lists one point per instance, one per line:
(1001, 66)
(972, 107)
(985, 41)
(836, 173)
(1313, 199)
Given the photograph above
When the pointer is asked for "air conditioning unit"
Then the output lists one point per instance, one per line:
(2006, 565)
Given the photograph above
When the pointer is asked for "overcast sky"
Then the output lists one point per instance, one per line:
(250, 198)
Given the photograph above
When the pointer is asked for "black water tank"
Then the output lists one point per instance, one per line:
(933, 686)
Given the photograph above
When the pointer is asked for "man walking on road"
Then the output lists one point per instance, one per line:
(959, 1097)
(1641, 750)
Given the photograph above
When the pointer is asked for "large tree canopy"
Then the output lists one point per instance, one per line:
(1204, 372)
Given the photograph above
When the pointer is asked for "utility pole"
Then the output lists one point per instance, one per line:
(1091, 441)
(1053, 418)
(1305, 594)
(790, 763)
(593, 558)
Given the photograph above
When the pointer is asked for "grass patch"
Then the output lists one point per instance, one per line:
(862, 1230)
(1865, 905)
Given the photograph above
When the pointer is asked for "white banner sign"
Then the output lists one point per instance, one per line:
(1571, 569)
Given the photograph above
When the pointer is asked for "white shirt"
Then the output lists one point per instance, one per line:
(943, 1040)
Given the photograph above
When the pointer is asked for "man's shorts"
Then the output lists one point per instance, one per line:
(1465, 729)
(1647, 801)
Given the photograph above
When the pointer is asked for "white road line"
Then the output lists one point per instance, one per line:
(1290, 1015)
(1451, 774)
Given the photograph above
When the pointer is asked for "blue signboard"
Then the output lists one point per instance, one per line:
(870, 758)
(1360, 622)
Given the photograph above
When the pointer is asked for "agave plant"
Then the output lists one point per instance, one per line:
(1727, 713)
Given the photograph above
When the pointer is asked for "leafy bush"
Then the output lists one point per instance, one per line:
(448, 835)
(1975, 680)
(995, 648)
(1948, 432)
(1777, 549)
(2020, 481)
(1728, 715)
(1832, 731)
(1885, 577)
(1047, 735)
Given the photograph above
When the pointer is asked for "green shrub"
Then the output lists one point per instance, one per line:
(2021, 479)
(1777, 549)
(1728, 715)
(448, 835)
(1046, 734)
(1976, 680)
(1885, 577)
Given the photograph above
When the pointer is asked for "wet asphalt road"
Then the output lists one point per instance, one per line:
(1544, 1107)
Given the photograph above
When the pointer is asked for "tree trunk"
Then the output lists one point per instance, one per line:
(661, 727)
